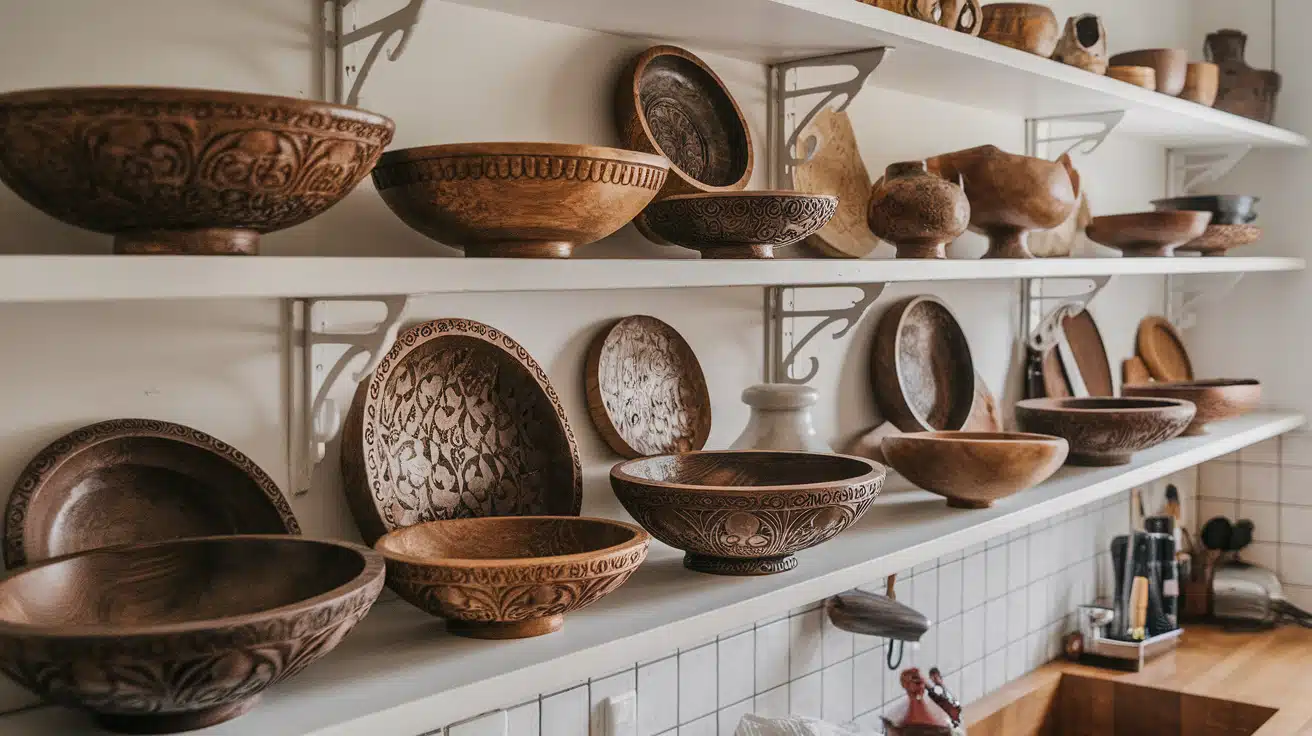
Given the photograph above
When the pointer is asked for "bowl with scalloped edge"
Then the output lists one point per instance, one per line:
(1105, 430)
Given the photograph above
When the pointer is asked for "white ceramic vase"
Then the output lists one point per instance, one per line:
(780, 420)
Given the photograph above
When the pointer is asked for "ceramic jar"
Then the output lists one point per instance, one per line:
(916, 211)
(781, 419)
(1243, 90)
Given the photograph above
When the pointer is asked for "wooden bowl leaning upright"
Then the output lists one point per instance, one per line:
(972, 470)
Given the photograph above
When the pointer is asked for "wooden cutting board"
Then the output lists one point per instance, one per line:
(837, 169)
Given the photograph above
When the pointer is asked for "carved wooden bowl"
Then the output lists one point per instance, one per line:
(184, 634)
(524, 200)
(1148, 234)
(974, 469)
(1215, 399)
(746, 512)
(186, 171)
(1217, 239)
(1106, 430)
(510, 577)
(740, 224)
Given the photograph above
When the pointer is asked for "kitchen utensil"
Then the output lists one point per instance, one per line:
(1249, 595)
(1139, 76)
(1163, 351)
(520, 200)
(1029, 27)
(510, 577)
(1159, 561)
(1134, 371)
(185, 171)
(1148, 234)
(923, 375)
(918, 212)
(128, 481)
(1201, 82)
(739, 224)
(1105, 430)
(1215, 400)
(984, 416)
(1215, 536)
(1226, 209)
(458, 420)
(745, 512)
(973, 470)
(875, 615)
(780, 419)
(1083, 44)
(646, 391)
(1217, 239)
(836, 168)
(1171, 66)
(1140, 512)
(1168, 574)
(1088, 354)
(179, 635)
(1243, 90)
(1122, 578)
(1139, 609)
(1241, 535)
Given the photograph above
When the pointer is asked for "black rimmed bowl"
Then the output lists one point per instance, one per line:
(1226, 209)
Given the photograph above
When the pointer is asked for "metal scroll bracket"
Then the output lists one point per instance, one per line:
(784, 128)
(1041, 325)
(1185, 294)
(343, 77)
(1187, 169)
(314, 418)
(1066, 133)
(783, 344)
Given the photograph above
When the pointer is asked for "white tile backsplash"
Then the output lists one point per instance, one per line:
(1266, 518)
(996, 559)
(868, 680)
(610, 686)
(698, 680)
(1266, 452)
(995, 625)
(566, 713)
(1018, 564)
(737, 668)
(1295, 525)
(524, 720)
(1017, 614)
(773, 703)
(1218, 480)
(836, 692)
(489, 724)
(924, 593)
(806, 643)
(806, 696)
(1296, 485)
(838, 644)
(1259, 483)
(974, 583)
(949, 589)
(658, 697)
(772, 655)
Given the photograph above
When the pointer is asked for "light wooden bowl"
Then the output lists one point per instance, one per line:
(972, 470)
(1170, 66)
(1215, 399)
(1105, 431)
(1139, 76)
(1148, 234)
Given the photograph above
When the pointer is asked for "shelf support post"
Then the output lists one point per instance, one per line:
(782, 344)
(1185, 294)
(343, 78)
(1042, 326)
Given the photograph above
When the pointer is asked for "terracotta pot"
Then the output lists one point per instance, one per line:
(1010, 194)
(1139, 76)
(1026, 26)
(1201, 82)
(1170, 65)
(1105, 430)
(1242, 90)
(1216, 399)
(1083, 44)
(972, 470)
(918, 212)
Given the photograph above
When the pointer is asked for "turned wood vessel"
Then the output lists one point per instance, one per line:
(739, 224)
(922, 372)
(918, 212)
(1148, 234)
(746, 512)
(1026, 26)
(1216, 399)
(1217, 239)
(1201, 82)
(1170, 66)
(1105, 430)
(1242, 90)
(1083, 44)
(1139, 76)
(972, 470)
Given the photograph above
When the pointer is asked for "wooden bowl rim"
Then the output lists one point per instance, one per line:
(969, 437)
(1198, 384)
(907, 306)
(640, 537)
(416, 154)
(1180, 218)
(875, 473)
(372, 567)
(1063, 405)
(754, 194)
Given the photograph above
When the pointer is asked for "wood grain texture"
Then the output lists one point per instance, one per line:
(972, 470)
(1242, 90)
(510, 578)
(128, 481)
(1162, 349)
(1216, 240)
(918, 212)
(1134, 371)
(745, 512)
(739, 224)
(178, 635)
(1170, 66)
(1148, 234)
(837, 169)
(1201, 83)
(1083, 44)
(458, 421)
(984, 415)
(1029, 27)
(187, 171)
(1105, 430)
(963, 16)
(1215, 400)
(1090, 353)
(530, 200)
(1139, 76)
(646, 391)
(922, 372)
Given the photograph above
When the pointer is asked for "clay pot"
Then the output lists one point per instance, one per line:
(1026, 26)
(1170, 66)
(917, 212)
(1010, 194)
(1215, 400)
(1243, 90)
(963, 16)
(1201, 82)
(1083, 44)
(1139, 76)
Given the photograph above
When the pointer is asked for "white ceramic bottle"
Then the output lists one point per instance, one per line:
(781, 419)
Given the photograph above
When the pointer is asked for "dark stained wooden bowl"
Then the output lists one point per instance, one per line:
(524, 200)
(739, 224)
(183, 634)
(188, 171)
(510, 577)
(923, 375)
(1105, 430)
(1148, 234)
(745, 512)
(974, 469)
(1215, 399)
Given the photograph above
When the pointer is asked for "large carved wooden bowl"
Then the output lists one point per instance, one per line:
(1105, 430)
(1215, 399)
(740, 224)
(183, 634)
(183, 170)
(510, 577)
(526, 200)
(972, 470)
(746, 512)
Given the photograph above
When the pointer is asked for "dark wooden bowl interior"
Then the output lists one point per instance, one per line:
(747, 469)
(693, 120)
(175, 582)
(934, 366)
(1102, 404)
(504, 538)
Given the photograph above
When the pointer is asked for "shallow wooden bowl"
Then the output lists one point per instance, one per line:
(510, 577)
(525, 200)
(1148, 234)
(972, 470)
(1215, 399)
(1029, 27)
(1217, 239)
(1139, 76)
(1170, 66)
(184, 634)
(746, 512)
(739, 224)
(1105, 430)
(187, 171)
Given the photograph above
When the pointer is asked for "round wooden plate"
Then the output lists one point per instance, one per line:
(1090, 354)
(457, 421)
(1162, 349)
(134, 481)
(646, 391)
(837, 168)
(924, 377)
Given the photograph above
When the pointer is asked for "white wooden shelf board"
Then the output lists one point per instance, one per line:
(399, 673)
(97, 278)
(928, 61)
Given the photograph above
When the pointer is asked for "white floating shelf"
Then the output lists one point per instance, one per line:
(400, 673)
(99, 278)
(928, 61)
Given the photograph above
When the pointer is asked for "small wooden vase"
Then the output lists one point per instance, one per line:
(1083, 44)
(1243, 90)
(916, 211)
(1026, 26)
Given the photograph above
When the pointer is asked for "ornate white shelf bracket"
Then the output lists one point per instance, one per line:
(784, 125)
(1185, 294)
(1066, 133)
(1042, 325)
(783, 343)
(343, 77)
(315, 418)
(1188, 169)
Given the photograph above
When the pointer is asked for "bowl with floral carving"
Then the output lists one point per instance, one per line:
(510, 577)
(183, 171)
(740, 224)
(746, 512)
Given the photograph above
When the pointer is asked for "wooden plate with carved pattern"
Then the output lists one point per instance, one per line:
(646, 391)
(130, 481)
(457, 421)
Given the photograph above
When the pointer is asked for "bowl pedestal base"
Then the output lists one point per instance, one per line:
(174, 722)
(1100, 460)
(738, 566)
(214, 241)
(1196, 429)
(521, 249)
(1008, 243)
(921, 250)
(506, 629)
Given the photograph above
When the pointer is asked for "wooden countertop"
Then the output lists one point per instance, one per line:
(1271, 669)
